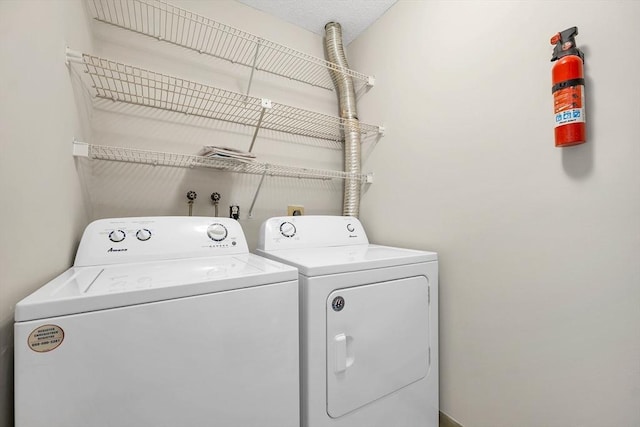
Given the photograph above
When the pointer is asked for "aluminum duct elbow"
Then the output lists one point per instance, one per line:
(348, 111)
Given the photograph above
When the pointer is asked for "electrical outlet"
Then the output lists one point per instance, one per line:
(234, 212)
(295, 210)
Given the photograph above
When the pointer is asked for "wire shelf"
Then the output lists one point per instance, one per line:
(125, 83)
(157, 158)
(161, 20)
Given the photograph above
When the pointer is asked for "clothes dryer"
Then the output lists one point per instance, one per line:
(368, 323)
(162, 321)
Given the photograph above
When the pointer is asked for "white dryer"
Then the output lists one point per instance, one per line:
(368, 324)
(162, 321)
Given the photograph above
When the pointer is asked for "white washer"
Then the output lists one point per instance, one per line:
(162, 321)
(369, 324)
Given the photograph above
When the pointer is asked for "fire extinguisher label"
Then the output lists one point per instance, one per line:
(569, 105)
(570, 116)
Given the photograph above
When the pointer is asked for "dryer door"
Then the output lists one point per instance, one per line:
(377, 341)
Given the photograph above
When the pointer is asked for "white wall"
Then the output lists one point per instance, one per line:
(539, 246)
(41, 210)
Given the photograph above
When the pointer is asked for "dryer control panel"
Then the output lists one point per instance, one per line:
(122, 240)
(311, 231)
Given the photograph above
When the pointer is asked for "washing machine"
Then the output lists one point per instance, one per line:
(162, 321)
(368, 323)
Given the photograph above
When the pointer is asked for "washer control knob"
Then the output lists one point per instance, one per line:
(287, 229)
(217, 232)
(350, 228)
(117, 236)
(143, 234)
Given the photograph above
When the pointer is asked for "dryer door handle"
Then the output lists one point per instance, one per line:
(343, 350)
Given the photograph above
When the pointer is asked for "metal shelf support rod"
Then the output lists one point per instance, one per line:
(253, 66)
(255, 196)
(266, 104)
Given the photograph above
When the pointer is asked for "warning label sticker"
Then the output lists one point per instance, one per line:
(45, 338)
(568, 105)
(575, 115)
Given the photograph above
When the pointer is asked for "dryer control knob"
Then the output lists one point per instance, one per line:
(217, 232)
(287, 229)
(143, 234)
(117, 236)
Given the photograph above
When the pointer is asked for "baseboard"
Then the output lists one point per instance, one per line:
(447, 421)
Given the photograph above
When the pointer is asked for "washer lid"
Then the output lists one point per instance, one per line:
(343, 259)
(84, 289)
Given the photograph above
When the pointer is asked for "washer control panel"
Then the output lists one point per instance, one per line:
(123, 240)
(309, 231)
(117, 236)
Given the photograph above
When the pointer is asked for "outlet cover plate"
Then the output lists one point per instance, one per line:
(291, 209)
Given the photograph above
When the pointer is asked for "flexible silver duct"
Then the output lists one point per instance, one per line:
(348, 111)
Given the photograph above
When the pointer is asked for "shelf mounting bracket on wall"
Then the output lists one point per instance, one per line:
(80, 149)
(72, 56)
(368, 178)
(266, 105)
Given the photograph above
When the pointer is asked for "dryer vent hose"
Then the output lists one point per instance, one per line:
(349, 113)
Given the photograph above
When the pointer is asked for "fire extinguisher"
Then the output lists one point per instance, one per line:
(568, 89)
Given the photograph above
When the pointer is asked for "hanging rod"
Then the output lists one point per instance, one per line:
(171, 24)
(126, 83)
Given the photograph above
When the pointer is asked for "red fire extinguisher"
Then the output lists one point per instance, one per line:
(568, 89)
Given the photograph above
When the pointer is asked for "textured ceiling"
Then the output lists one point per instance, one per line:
(353, 15)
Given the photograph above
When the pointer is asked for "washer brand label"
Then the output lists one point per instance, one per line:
(117, 250)
(45, 338)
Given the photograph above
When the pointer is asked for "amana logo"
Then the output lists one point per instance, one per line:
(117, 250)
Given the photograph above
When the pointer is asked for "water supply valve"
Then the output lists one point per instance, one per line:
(215, 198)
(191, 197)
